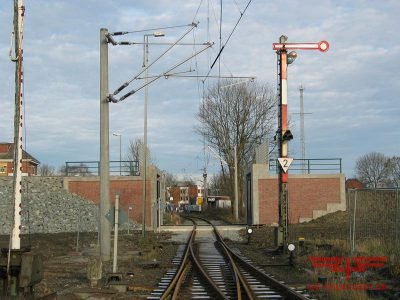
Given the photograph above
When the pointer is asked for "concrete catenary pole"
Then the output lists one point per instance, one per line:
(19, 11)
(105, 226)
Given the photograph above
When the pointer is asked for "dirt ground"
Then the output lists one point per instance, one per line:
(142, 261)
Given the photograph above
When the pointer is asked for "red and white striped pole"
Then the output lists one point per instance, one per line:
(284, 134)
(283, 151)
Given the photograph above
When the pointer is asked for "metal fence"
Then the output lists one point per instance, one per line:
(373, 214)
(310, 166)
(92, 168)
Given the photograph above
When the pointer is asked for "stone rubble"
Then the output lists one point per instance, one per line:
(46, 207)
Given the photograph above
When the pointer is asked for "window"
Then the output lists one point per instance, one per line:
(3, 168)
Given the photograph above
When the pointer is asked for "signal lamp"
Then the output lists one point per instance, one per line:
(291, 57)
(287, 136)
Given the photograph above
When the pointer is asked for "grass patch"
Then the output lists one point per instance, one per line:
(376, 247)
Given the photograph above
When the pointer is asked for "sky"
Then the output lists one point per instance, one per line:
(351, 91)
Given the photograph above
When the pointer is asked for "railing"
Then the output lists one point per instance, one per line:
(310, 166)
(92, 168)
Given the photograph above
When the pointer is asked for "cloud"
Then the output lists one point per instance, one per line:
(351, 90)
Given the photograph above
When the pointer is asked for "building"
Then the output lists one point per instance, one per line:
(29, 163)
(354, 183)
(183, 193)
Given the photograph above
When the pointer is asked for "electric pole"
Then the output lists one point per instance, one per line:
(105, 205)
(19, 11)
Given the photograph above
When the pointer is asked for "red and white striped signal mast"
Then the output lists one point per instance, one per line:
(283, 134)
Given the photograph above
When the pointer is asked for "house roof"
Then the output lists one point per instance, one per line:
(10, 154)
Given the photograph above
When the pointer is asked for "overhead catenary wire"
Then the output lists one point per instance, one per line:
(201, 76)
(115, 100)
(147, 30)
(229, 36)
(124, 85)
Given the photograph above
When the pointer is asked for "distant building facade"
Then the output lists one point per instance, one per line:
(353, 183)
(184, 193)
(29, 163)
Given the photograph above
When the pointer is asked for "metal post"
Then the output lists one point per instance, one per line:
(283, 151)
(302, 138)
(78, 228)
(129, 220)
(105, 228)
(120, 155)
(353, 243)
(116, 216)
(205, 185)
(281, 49)
(146, 93)
(236, 186)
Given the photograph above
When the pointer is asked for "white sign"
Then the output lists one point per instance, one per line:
(285, 163)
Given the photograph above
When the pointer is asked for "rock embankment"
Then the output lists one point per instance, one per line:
(46, 207)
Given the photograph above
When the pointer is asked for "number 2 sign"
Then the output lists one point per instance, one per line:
(285, 163)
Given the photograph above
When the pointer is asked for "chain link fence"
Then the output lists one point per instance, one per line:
(373, 214)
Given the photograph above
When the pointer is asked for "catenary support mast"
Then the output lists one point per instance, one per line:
(19, 11)
(105, 205)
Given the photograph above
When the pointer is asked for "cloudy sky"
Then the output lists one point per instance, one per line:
(352, 91)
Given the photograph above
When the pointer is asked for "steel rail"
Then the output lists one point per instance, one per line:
(287, 292)
(242, 286)
(172, 291)
(243, 289)
(218, 293)
(241, 283)
(176, 281)
(282, 288)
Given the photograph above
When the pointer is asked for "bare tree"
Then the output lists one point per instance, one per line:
(219, 185)
(134, 149)
(237, 114)
(62, 170)
(46, 170)
(373, 169)
(170, 180)
(394, 171)
(135, 152)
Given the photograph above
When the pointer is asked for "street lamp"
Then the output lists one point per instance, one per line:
(120, 136)
(146, 94)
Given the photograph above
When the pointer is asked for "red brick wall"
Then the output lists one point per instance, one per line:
(354, 184)
(131, 192)
(4, 148)
(305, 196)
(175, 194)
(28, 168)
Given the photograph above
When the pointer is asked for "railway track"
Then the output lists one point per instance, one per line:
(206, 268)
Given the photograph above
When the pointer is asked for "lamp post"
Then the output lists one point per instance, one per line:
(146, 94)
(120, 137)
